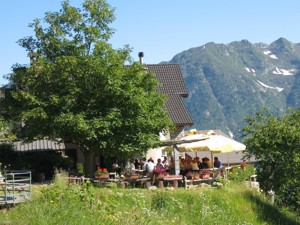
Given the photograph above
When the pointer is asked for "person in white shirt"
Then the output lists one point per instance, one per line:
(194, 165)
(165, 163)
(149, 166)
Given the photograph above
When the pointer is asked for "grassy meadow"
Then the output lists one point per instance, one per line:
(60, 203)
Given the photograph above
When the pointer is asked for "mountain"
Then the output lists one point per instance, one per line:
(228, 82)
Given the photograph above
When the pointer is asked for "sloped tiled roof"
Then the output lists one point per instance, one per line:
(177, 111)
(173, 86)
(170, 76)
(38, 145)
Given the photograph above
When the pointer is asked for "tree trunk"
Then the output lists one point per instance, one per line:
(89, 164)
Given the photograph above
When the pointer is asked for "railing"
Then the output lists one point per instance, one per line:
(16, 187)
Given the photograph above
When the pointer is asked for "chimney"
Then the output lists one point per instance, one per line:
(141, 56)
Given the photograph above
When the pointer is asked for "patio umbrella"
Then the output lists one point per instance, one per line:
(215, 143)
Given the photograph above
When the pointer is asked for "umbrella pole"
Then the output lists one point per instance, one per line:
(176, 158)
(211, 159)
(228, 159)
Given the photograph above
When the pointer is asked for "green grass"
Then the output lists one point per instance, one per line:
(86, 204)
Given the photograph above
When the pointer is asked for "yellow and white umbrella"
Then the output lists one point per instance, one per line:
(214, 143)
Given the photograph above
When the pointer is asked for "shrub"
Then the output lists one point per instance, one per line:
(240, 174)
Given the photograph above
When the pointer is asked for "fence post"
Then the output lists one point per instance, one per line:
(271, 195)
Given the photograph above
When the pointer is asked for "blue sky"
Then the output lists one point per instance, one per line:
(162, 28)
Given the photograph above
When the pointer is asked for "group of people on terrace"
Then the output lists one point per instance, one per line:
(195, 164)
(147, 166)
(187, 164)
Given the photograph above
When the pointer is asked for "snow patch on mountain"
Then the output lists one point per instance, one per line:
(273, 56)
(267, 86)
(250, 70)
(269, 53)
(284, 72)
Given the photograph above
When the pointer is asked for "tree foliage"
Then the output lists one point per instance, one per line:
(78, 88)
(275, 142)
(6, 130)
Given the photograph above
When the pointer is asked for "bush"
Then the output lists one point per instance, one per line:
(240, 174)
(161, 201)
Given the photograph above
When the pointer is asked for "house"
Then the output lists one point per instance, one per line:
(172, 85)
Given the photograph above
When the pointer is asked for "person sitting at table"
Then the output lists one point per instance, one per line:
(149, 166)
(203, 164)
(137, 164)
(194, 165)
(172, 165)
(116, 168)
(165, 162)
(182, 166)
(143, 162)
(217, 163)
(115, 165)
(159, 164)
(198, 161)
(130, 165)
(208, 162)
(188, 167)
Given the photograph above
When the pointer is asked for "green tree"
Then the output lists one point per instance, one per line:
(275, 142)
(78, 88)
(6, 130)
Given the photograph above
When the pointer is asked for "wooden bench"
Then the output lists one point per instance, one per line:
(145, 182)
(172, 180)
(195, 182)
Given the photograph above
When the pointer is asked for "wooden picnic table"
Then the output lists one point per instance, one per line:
(172, 180)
